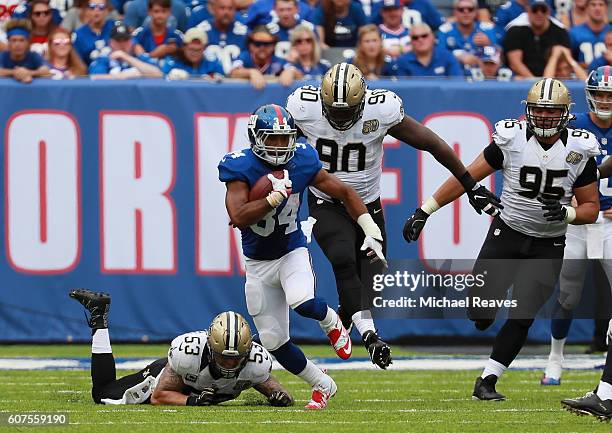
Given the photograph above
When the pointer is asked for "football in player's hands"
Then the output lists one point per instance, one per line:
(263, 186)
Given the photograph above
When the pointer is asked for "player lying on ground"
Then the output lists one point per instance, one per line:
(279, 273)
(347, 122)
(202, 367)
(544, 165)
(599, 402)
(593, 241)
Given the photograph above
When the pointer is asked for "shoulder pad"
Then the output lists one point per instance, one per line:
(487, 25)
(445, 28)
(260, 367)
(204, 26)
(391, 109)
(233, 158)
(240, 29)
(180, 361)
(303, 103)
(506, 130)
(584, 141)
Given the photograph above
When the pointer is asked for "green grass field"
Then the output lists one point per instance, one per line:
(367, 401)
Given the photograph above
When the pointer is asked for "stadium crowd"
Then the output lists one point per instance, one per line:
(285, 40)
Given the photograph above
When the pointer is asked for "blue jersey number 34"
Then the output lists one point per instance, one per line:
(287, 216)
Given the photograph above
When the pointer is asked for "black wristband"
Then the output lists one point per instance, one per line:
(467, 181)
(192, 400)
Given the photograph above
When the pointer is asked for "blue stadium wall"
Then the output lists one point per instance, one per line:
(158, 297)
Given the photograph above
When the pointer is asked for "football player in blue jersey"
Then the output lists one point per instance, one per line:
(226, 34)
(588, 39)
(279, 273)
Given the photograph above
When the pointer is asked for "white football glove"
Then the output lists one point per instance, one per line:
(609, 334)
(307, 226)
(281, 189)
(375, 247)
(177, 74)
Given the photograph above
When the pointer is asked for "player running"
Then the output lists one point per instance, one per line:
(593, 241)
(202, 368)
(279, 274)
(346, 122)
(544, 164)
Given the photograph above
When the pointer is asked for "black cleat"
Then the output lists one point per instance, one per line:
(380, 352)
(590, 404)
(347, 321)
(97, 303)
(484, 389)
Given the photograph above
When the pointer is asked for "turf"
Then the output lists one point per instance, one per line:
(367, 401)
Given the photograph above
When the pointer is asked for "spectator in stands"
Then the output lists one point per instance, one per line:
(395, 36)
(156, 38)
(466, 33)
(42, 26)
(264, 12)
(307, 64)
(91, 39)
(226, 35)
(121, 62)
(338, 22)
(588, 39)
(190, 60)
(201, 12)
(77, 15)
(413, 12)
(562, 65)
(137, 11)
(530, 37)
(370, 57)
(259, 60)
(572, 12)
(18, 61)
(606, 57)
(426, 58)
(287, 19)
(64, 62)
(489, 65)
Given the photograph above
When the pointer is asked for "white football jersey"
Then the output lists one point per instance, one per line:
(355, 155)
(188, 357)
(530, 171)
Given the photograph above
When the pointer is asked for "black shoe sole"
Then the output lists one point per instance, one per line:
(490, 399)
(582, 412)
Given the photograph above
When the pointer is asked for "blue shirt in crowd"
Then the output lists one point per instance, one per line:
(442, 64)
(31, 61)
(586, 44)
(87, 42)
(346, 28)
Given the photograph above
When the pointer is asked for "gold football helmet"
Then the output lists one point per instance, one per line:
(229, 343)
(548, 93)
(343, 92)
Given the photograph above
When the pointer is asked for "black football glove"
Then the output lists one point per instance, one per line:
(483, 200)
(205, 398)
(414, 225)
(280, 399)
(554, 210)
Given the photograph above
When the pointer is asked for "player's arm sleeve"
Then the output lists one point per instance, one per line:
(392, 112)
(494, 156)
(588, 175)
(230, 171)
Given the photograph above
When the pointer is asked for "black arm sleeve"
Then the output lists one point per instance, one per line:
(588, 175)
(494, 156)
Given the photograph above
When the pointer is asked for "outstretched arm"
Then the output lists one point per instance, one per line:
(274, 392)
(169, 389)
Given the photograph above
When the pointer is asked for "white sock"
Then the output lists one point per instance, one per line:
(363, 321)
(604, 390)
(493, 367)
(556, 346)
(329, 323)
(311, 374)
(100, 342)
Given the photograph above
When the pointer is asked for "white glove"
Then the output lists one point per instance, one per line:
(609, 334)
(307, 227)
(177, 74)
(375, 247)
(281, 189)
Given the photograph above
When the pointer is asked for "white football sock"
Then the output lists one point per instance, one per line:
(604, 390)
(329, 323)
(363, 321)
(493, 367)
(100, 342)
(556, 346)
(311, 374)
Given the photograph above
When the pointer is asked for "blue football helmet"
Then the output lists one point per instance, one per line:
(268, 127)
(598, 82)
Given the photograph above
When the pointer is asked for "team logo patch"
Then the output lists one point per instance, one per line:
(370, 126)
(573, 158)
